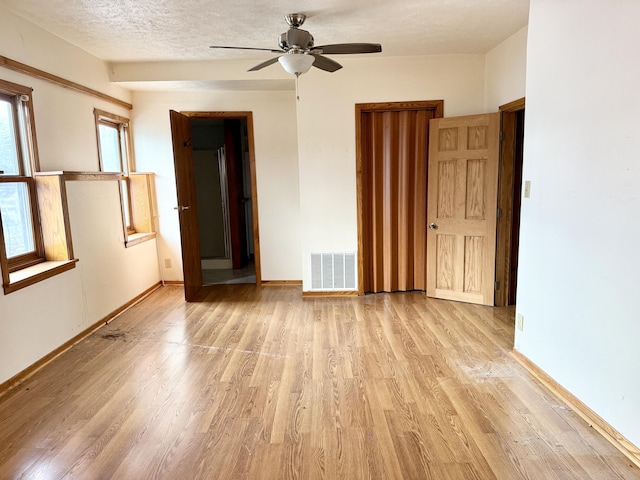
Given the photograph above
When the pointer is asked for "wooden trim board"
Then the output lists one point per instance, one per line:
(340, 293)
(61, 82)
(592, 418)
(30, 370)
(281, 283)
(514, 106)
(83, 176)
(43, 270)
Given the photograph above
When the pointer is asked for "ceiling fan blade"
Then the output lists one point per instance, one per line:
(271, 61)
(326, 64)
(342, 48)
(248, 48)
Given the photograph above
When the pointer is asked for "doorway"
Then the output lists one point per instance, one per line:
(391, 164)
(237, 209)
(509, 201)
(223, 191)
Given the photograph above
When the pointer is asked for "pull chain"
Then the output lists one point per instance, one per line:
(297, 95)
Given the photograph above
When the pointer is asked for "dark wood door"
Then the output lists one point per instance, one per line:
(187, 204)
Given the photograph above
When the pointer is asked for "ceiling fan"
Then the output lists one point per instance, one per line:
(299, 52)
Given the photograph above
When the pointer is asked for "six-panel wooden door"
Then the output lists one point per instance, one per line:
(461, 208)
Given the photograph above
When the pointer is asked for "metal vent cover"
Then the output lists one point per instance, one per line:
(333, 271)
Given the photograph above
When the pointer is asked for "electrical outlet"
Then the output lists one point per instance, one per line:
(527, 189)
(167, 263)
(520, 322)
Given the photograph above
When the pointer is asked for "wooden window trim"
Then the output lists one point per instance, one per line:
(28, 165)
(37, 273)
(103, 117)
(145, 228)
(24, 261)
(15, 89)
(138, 238)
(11, 98)
(68, 175)
(117, 122)
(37, 255)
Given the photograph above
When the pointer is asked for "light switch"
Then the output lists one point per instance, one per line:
(527, 189)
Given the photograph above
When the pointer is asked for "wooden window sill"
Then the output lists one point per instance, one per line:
(136, 238)
(36, 273)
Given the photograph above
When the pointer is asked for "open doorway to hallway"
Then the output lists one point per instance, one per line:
(223, 190)
(509, 201)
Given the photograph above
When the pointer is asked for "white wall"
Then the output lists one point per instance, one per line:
(505, 71)
(326, 132)
(276, 170)
(578, 273)
(22, 41)
(110, 274)
(37, 319)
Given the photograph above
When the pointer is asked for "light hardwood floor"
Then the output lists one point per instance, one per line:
(258, 383)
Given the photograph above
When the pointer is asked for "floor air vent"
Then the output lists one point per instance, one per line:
(333, 271)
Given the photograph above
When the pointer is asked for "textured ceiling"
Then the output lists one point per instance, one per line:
(144, 30)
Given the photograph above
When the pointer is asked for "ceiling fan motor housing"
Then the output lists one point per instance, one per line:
(296, 37)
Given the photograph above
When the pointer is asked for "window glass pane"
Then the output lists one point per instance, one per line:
(110, 148)
(8, 148)
(16, 218)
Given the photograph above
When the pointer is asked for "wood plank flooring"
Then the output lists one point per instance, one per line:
(258, 383)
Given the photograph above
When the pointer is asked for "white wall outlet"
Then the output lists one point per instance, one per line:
(167, 263)
(520, 322)
(527, 189)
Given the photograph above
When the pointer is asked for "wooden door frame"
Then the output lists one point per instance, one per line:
(505, 198)
(437, 106)
(248, 116)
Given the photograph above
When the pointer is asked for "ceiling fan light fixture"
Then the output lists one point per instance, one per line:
(296, 63)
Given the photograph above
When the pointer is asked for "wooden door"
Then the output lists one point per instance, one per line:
(187, 204)
(461, 208)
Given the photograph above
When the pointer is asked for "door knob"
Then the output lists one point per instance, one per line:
(433, 226)
(181, 208)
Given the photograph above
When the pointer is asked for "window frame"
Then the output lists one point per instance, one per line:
(28, 164)
(122, 125)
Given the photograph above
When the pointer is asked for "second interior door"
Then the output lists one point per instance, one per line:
(462, 208)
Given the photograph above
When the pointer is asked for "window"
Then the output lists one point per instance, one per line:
(21, 239)
(114, 153)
